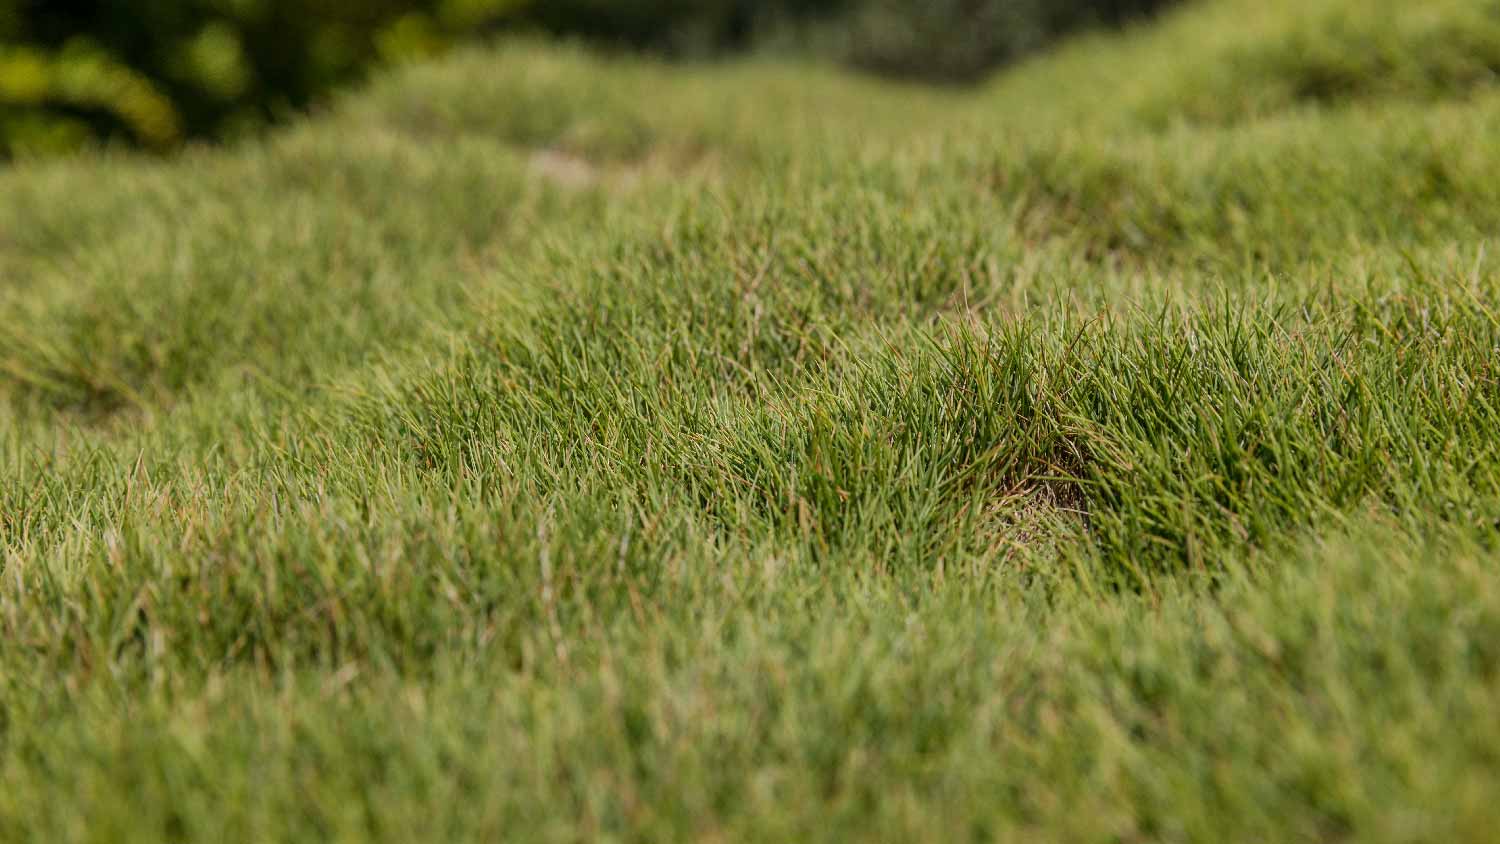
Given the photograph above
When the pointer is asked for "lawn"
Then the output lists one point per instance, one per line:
(540, 445)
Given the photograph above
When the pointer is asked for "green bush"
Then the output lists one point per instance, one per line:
(159, 71)
(46, 97)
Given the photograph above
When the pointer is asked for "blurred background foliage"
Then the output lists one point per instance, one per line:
(155, 73)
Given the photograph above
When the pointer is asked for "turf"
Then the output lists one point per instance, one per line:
(545, 446)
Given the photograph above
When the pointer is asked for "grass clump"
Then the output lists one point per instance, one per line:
(1293, 54)
(756, 460)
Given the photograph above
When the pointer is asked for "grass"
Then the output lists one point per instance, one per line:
(542, 446)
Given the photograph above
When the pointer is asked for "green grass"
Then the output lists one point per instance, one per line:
(539, 446)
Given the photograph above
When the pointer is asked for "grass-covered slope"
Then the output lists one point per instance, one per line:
(546, 447)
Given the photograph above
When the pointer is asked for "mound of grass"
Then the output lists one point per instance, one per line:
(1298, 53)
(552, 447)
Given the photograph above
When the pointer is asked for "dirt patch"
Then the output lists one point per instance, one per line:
(566, 169)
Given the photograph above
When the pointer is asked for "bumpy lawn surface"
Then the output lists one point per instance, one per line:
(539, 446)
